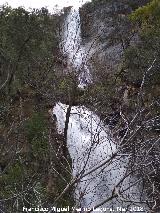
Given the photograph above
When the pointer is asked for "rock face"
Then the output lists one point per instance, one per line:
(105, 27)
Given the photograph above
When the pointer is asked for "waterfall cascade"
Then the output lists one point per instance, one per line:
(89, 142)
(90, 145)
(72, 47)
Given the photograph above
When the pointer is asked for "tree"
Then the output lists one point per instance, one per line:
(30, 168)
(28, 41)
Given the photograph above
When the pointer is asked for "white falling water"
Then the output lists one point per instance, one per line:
(77, 56)
(88, 140)
(89, 146)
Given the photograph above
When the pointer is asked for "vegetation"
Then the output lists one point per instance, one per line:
(29, 82)
(35, 167)
(27, 41)
(143, 54)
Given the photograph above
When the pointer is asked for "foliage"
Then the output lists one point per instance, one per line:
(28, 83)
(17, 179)
(148, 18)
(27, 42)
(149, 13)
(37, 134)
(138, 58)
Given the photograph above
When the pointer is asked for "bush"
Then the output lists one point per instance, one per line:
(37, 134)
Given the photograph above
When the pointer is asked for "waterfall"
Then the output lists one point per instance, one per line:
(90, 145)
(89, 141)
(73, 49)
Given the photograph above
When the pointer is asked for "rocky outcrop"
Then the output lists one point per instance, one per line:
(105, 26)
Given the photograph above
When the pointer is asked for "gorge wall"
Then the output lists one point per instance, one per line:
(106, 29)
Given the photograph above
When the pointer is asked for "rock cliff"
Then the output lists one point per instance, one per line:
(106, 28)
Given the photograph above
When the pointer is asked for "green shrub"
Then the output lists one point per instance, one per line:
(37, 134)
